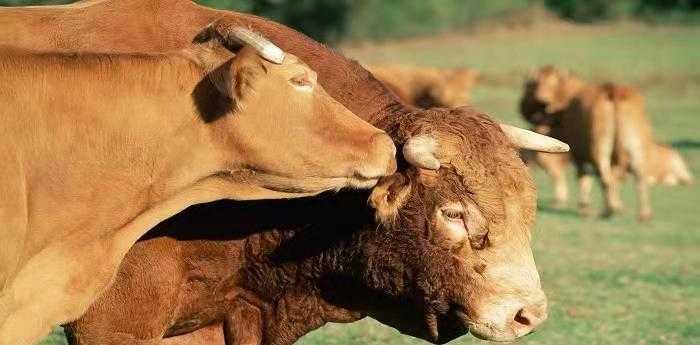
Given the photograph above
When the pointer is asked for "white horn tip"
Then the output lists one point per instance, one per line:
(529, 140)
(273, 54)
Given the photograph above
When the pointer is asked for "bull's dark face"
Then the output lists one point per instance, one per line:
(532, 109)
(461, 233)
(546, 93)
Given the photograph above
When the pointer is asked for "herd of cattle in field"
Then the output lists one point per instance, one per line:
(128, 123)
(605, 125)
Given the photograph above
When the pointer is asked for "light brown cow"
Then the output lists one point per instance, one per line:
(97, 149)
(605, 125)
(161, 25)
(439, 253)
(428, 87)
(667, 167)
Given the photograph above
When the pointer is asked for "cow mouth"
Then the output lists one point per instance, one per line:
(446, 327)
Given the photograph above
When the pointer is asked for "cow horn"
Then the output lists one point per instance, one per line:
(529, 140)
(265, 48)
(420, 151)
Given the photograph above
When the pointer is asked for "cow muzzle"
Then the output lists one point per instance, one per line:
(380, 161)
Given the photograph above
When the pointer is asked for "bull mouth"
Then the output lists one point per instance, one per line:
(449, 326)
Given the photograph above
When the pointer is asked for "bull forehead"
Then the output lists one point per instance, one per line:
(481, 166)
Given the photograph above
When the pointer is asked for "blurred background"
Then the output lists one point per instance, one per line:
(610, 281)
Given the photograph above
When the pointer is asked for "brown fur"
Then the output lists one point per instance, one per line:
(101, 147)
(428, 87)
(606, 127)
(200, 268)
(159, 25)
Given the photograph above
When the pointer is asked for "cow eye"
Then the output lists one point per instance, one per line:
(301, 82)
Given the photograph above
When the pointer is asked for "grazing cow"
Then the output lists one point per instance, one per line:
(441, 250)
(98, 148)
(161, 25)
(605, 125)
(667, 167)
(428, 87)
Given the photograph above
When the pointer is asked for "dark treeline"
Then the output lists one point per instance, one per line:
(335, 20)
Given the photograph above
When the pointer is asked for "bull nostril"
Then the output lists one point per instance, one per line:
(528, 318)
(522, 318)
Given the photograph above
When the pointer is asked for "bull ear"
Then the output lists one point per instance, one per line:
(388, 196)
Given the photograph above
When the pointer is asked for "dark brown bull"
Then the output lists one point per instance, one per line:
(442, 251)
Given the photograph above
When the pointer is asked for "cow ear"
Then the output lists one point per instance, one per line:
(388, 196)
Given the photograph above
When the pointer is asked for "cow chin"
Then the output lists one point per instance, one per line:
(312, 185)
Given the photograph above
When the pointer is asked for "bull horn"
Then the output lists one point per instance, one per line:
(268, 50)
(529, 140)
(420, 151)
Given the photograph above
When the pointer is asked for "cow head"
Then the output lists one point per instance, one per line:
(458, 222)
(266, 109)
(547, 92)
(455, 88)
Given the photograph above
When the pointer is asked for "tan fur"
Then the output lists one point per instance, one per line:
(428, 87)
(606, 127)
(667, 167)
(103, 147)
(231, 265)
(160, 25)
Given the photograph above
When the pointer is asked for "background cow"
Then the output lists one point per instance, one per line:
(606, 127)
(428, 87)
(663, 164)
(441, 251)
(97, 149)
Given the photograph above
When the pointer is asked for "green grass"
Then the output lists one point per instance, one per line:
(608, 282)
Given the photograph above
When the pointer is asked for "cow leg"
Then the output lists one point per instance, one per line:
(243, 325)
(608, 179)
(555, 166)
(585, 183)
(642, 185)
(58, 284)
(210, 335)
(55, 286)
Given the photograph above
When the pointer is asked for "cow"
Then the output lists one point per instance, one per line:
(438, 251)
(428, 87)
(667, 167)
(99, 148)
(137, 26)
(607, 127)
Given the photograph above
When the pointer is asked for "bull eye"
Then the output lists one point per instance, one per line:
(452, 214)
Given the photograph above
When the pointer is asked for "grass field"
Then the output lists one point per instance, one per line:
(608, 281)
